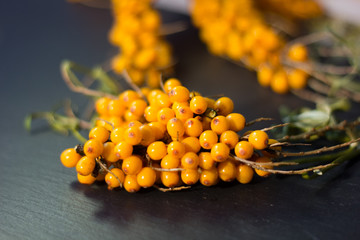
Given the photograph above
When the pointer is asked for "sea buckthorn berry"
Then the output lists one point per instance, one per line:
(297, 79)
(132, 135)
(144, 58)
(101, 106)
(279, 83)
(103, 121)
(133, 123)
(170, 179)
(158, 173)
(170, 161)
(224, 106)
(192, 144)
(244, 149)
(230, 138)
(162, 101)
(150, 113)
(298, 52)
(259, 139)
(198, 105)
(112, 181)
(165, 114)
(176, 149)
(227, 170)
(190, 160)
(116, 108)
(117, 135)
(179, 94)
(145, 91)
(158, 129)
(132, 165)
(109, 153)
(89, 179)
(209, 177)
(219, 124)
(206, 161)
(99, 133)
(170, 84)
(177, 105)
(244, 173)
(264, 75)
(236, 121)
(157, 150)
(271, 151)
(148, 135)
(152, 96)
(183, 113)
(85, 166)
(116, 122)
(263, 173)
(210, 102)
(93, 148)
(193, 127)
(128, 97)
(190, 176)
(220, 152)
(175, 128)
(137, 107)
(146, 177)
(129, 116)
(153, 78)
(208, 139)
(130, 184)
(69, 157)
(123, 150)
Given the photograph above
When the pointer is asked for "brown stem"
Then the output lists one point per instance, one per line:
(171, 28)
(128, 79)
(168, 169)
(258, 120)
(308, 95)
(103, 167)
(171, 189)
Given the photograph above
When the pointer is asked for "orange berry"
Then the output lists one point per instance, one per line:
(130, 184)
(85, 166)
(198, 104)
(192, 144)
(190, 160)
(146, 177)
(259, 139)
(193, 127)
(263, 173)
(170, 179)
(176, 149)
(123, 150)
(179, 94)
(175, 128)
(220, 152)
(206, 161)
(190, 176)
(89, 179)
(69, 157)
(230, 138)
(219, 124)
(236, 121)
(93, 148)
(115, 178)
(170, 161)
(244, 173)
(208, 139)
(132, 135)
(157, 150)
(244, 149)
(170, 84)
(224, 106)
(132, 165)
(227, 170)
(209, 177)
(99, 133)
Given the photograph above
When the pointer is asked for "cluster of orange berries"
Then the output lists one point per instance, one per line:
(172, 137)
(136, 31)
(236, 29)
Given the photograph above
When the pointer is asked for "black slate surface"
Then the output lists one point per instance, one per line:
(40, 199)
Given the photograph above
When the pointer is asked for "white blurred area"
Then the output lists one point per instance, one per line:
(348, 10)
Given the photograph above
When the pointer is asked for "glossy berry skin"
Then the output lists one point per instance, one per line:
(165, 114)
(206, 161)
(132, 165)
(109, 153)
(193, 127)
(219, 124)
(259, 139)
(208, 139)
(150, 113)
(263, 173)
(264, 75)
(170, 162)
(99, 133)
(236, 121)
(224, 106)
(132, 135)
(191, 144)
(230, 138)
(101, 106)
(198, 104)
(130, 184)
(170, 179)
(279, 83)
(158, 130)
(137, 107)
(244, 173)
(179, 94)
(170, 84)
(176, 149)
(69, 157)
(227, 170)
(298, 52)
(183, 113)
(85, 166)
(123, 150)
(147, 134)
(157, 150)
(190, 160)
(112, 181)
(89, 179)
(190, 176)
(209, 177)
(116, 108)
(297, 79)
(244, 150)
(93, 148)
(146, 177)
(128, 97)
(117, 135)
(220, 152)
(175, 128)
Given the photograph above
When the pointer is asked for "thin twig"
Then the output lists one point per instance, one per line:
(168, 169)
(171, 189)
(258, 120)
(308, 95)
(171, 28)
(103, 167)
(128, 79)
(320, 150)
